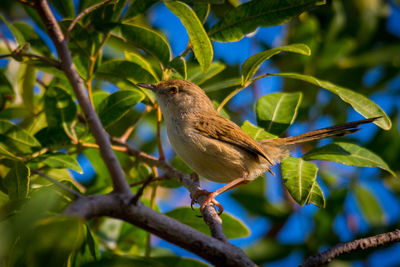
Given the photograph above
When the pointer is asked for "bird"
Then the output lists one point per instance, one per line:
(215, 147)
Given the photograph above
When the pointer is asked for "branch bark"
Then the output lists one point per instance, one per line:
(348, 247)
(101, 137)
(116, 205)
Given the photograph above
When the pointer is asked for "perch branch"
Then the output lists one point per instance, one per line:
(348, 247)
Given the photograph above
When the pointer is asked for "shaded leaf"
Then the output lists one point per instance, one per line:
(198, 77)
(251, 65)
(17, 181)
(179, 64)
(233, 228)
(114, 70)
(147, 39)
(116, 105)
(36, 43)
(27, 79)
(5, 85)
(59, 107)
(349, 154)
(257, 133)
(262, 13)
(15, 139)
(202, 10)
(359, 102)
(369, 206)
(299, 176)
(276, 111)
(61, 161)
(64, 7)
(202, 47)
(138, 7)
(19, 38)
(226, 83)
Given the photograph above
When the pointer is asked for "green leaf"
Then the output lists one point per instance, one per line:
(233, 228)
(19, 38)
(349, 154)
(276, 111)
(299, 177)
(5, 85)
(198, 77)
(17, 181)
(64, 7)
(30, 36)
(59, 107)
(28, 80)
(261, 13)
(15, 139)
(359, 102)
(257, 133)
(116, 105)
(61, 161)
(179, 64)
(317, 196)
(226, 83)
(138, 7)
(147, 39)
(202, 47)
(251, 65)
(202, 10)
(142, 62)
(369, 206)
(118, 69)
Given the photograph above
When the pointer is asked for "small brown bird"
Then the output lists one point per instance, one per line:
(215, 147)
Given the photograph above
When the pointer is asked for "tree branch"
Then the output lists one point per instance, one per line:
(348, 247)
(116, 206)
(101, 137)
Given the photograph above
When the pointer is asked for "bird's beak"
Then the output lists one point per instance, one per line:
(150, 86)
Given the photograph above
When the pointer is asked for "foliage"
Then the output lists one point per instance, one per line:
(332, 46)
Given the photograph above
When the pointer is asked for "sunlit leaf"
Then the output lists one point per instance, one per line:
(359, 102)
(202, 47)
(16, 33)
(17, 181)
(276, 111)
(116, 105)
(226, 83)
(251, 65)
(349, 154)
(233, 227)
(142, 62)
(198, 77)
(257, 133)
(147, 39)
(316, 196)
(299, 176)
(60, 161)
(27, 80)
(36, 43)
(369, 206)
(261, 13)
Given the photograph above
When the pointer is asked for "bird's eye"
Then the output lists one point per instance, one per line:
(173, 90)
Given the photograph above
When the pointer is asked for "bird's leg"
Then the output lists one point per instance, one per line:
(211, 196)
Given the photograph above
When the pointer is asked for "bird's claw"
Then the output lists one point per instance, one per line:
(210, 198)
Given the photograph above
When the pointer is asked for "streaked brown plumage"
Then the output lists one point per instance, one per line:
(215, 147)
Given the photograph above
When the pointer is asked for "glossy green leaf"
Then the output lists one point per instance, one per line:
(198, 77)
(299, 177)
(261, 13)
(19, 38)
(257, 133)
(359, 102)
(179, 64)
(233, 227)
(202, 10)
(64, 7)
(61, 161)
(27, 81)
(251, 65)
(349, 154)
(201, 44)
(59, 107)
(147, 39)
(224, 84)
(116, 105)
(276, 111)
(37, 44)
(138, 7)
(15, 139)
(369, 206)
(142, 62)
(17, 181)
(316, 196)
(117, 69)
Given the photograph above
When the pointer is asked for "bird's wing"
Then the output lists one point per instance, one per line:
(220, 128)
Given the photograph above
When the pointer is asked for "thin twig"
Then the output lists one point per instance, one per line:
(58, 183)
(348, 247)
(52, 62)
(139, 193)
(82, 14)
